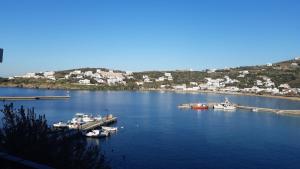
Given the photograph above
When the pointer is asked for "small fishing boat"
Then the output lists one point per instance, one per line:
(218, 106)
(93, 133)
(229, 107)
(110, 129)
(104, 134)
(199, 106)
(225, 106)
(184, 106)
(97, 133)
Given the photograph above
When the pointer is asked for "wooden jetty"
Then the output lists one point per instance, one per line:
(98, 123)
(251, 108)
(278, 111)
(3, 98)
(189, 105)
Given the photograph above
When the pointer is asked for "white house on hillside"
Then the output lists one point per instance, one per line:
(85, 81)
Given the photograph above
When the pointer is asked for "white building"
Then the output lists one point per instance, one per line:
(211, 70)
(195, 88)
(253, 89)
(29, 75)
(79, 77)
(75, 72)
(146, 79)
(259, 83)
(67, 76)
(99, 80)
(180, 87)
(160, 79)
(96, 75)
(193, 83)
(88, 73)
(285, 86)
(228, 80)
(294, 64)
(269, 83)
(215, 83)
(113, 81)
(128, 73)
(139, 83)
(169, 76)
(203, 86)
(245, 72)
(85, 81)
(49, 73)
(230, 89)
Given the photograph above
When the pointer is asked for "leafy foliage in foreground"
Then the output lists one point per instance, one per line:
(28, 136)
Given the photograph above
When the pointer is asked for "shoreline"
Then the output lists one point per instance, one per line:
(293, 98)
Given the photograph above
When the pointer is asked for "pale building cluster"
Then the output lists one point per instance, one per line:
(262, 84)
(147, 79)
(100, 77)
(243, 73)
(226, 84)
(167, 76)
(42, 75)
(84, 77)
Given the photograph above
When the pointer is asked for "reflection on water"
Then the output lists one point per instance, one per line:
(158, 135)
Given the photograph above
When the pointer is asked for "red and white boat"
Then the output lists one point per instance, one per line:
(199, 106)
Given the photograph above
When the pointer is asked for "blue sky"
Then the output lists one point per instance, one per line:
(142, 35)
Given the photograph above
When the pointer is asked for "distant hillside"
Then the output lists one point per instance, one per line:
(280, 73)
(269, 76)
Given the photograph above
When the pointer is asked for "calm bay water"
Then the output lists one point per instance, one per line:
(157, 135)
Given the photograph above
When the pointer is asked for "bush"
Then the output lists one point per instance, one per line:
(28, 136)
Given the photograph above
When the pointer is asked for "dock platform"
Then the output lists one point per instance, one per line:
(278, 111)
(251, 108)
(99, 123)
(4, 98)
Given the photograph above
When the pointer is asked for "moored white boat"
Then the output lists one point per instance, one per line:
(184, 106)
(225, 106)
(87, 118)
(109, 129)
(229, 107)
(60, 124)
(97, 133)
(104, 133)
(93, 133)
(97, 118)
(218, 106)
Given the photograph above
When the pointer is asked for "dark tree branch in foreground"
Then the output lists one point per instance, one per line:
(27, 135)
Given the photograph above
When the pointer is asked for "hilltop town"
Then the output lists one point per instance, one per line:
(279, 79)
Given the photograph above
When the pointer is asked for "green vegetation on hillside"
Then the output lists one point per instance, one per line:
(279, 73)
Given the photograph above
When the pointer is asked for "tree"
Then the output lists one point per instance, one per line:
(28, 136)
